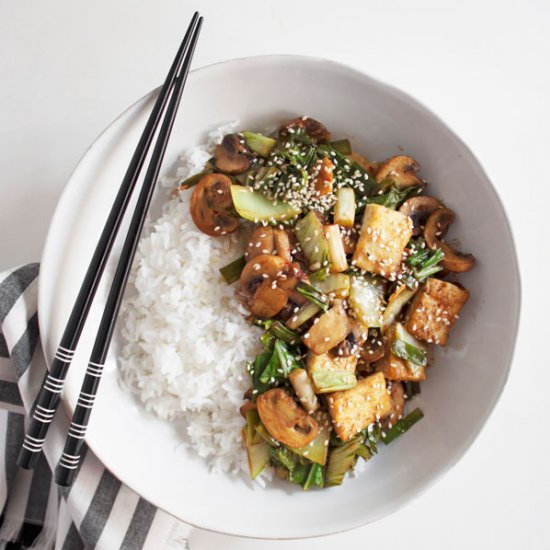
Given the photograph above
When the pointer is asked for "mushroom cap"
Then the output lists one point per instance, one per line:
(419, 209)
(436, 226)
(313, 128)
(261, 241)
(232, 155)
(210, 205)
(268, 300)
(287, 422)
(401, 170)
(252, 276)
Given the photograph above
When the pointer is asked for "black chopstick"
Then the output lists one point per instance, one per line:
(47, 400)
(70, 459)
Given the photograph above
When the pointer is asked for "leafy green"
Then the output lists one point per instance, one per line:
(314, 477)
(410, 353)
(393, 198)
(283, 457)
(364, 452)
(402, 426)
(343, 146)
(258, 143)
(280, 364)
(193, 180)
(232, 272)
(374, 433)
(276, 329)
(341, 460)
(299, 473)
(283, 333)
(313, 295)
(424, 261)
(255, 369)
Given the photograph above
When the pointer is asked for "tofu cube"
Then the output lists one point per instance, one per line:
(331, 329)
(382, 240)
(355, 409)
(434, 310)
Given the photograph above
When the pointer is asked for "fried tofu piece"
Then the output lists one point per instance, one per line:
(384, 235)
(355, 409)
(397, 369)
(434, 310)
(331, 329)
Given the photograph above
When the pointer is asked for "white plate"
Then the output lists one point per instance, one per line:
(462, 387)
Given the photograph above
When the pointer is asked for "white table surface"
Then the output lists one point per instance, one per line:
(68, 67)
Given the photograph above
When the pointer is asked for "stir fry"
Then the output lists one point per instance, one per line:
(345, 271)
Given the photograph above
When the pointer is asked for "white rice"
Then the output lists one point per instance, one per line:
(186, 338)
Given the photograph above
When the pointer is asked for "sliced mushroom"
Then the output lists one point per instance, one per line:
(304, 390)
(419, 209)
(269, 280)
(282, 244)
(401, 170)
(310, 126)
(353, 342)
(373, 350)
(260, 242)
(252, 275)
(285, 420)
(268, 300)
(210, 205)
(436, 226)
(232, 155)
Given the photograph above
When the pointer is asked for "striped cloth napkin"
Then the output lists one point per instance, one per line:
(98, 511)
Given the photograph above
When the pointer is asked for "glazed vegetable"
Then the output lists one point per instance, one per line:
(436, 225)
(340, 461)
(232, 272)
(344, 209)
(396, 302)
(232, 155)
(258, 143)
(261, 241)
(314, 295)
(317, 449)
(304, 314)
(401, 171)
(402, 426)
(311, 236)
(367, 300)
(343, 146)
(338, 270)
(425, 261)
(284, 420)
(337, 284)
(255, 207)
(210, 205)
(304, 390)
(336, 253)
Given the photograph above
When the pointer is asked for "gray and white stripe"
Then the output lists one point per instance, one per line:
(98, 512)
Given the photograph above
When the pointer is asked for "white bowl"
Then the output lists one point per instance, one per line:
(463, 385)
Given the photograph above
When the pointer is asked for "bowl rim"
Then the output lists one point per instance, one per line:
(298, 58)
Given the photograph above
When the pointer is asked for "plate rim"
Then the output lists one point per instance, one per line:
(64, 197)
